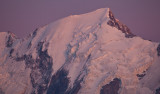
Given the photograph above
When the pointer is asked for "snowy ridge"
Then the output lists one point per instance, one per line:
(90, 53)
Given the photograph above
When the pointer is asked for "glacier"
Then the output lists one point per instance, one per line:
(91, 53)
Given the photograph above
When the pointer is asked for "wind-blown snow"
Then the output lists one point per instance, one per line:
(89, 49)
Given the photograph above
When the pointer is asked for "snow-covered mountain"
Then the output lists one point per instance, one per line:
(92, 53)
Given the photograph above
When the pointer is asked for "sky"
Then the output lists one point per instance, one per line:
(23, 16)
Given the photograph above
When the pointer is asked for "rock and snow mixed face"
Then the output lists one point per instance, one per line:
(92, 53)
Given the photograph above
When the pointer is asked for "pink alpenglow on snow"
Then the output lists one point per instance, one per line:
(92, 53)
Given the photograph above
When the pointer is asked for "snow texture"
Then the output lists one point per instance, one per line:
(79, 54)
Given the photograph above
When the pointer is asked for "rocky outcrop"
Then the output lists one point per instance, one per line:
(10, 53)
(112, 87)
(34, 33)
(140, 76)
(78, 57)
(59, 83)
(1, 92)
(9, 41)
(116, 23)
(41, 69)
(158, 50)
(157, 91)
(76, 86)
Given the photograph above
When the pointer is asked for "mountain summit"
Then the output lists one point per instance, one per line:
(92, 53)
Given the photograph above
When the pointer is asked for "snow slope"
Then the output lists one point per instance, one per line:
(92, 53)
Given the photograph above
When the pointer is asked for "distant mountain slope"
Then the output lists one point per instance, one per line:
(92, 53)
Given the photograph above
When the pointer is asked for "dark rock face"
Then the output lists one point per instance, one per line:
(75, 89)
(112, 87)
(116, 23)
(29, 45)
(19, 58)
(140, 76)
(158, 50)
(34, 33)
(10, 53)
(32, 36)
(157, 91)
(41, 69)
(59, 83)
(76, 86)
(9, 41)
(1, 92)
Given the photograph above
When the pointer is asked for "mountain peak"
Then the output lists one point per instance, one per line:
(99, 16)
(120, 26)
(103, 12)
(91, 53)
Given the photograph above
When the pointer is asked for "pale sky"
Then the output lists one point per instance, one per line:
(24, 16)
